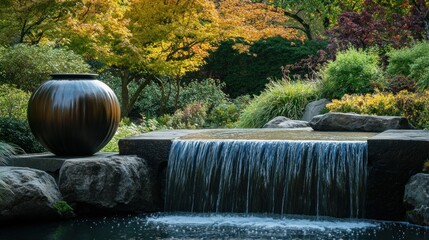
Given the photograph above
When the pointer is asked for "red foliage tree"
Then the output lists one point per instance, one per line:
(375, 25)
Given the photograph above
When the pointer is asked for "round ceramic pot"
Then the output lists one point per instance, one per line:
(73, 114)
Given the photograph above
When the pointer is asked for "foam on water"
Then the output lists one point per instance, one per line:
(262, 223)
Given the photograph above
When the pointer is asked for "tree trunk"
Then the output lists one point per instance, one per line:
(176, 98)
(124, 95)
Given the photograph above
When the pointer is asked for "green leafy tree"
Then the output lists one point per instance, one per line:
(312, 17)
(23, 21)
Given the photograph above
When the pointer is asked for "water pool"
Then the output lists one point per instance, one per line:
(215, 226)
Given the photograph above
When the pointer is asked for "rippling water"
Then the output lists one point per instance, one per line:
(216, 226)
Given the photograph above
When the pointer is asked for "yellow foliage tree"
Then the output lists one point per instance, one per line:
(141, 40)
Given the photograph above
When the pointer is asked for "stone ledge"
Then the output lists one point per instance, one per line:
(48, 162)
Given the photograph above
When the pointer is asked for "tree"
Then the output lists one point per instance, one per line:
(252, 21)
(312, 17)
(377, 25)
(146, 40)
(23, 21)
(139, 40)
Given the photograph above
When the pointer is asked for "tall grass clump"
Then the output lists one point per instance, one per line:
(282, 98)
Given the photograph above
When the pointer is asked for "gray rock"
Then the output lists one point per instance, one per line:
(314, 108)
(27, 193)
(416, 198)
(107, 184)
(284, 122)
(334, 121)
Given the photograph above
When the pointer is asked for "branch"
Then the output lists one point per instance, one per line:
(306, 27)
(137, 93)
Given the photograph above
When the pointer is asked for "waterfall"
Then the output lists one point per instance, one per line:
(323, 178)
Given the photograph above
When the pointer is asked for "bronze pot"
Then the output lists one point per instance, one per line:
(73, 114)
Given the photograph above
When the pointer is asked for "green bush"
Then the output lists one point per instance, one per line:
(279, 99)
(227, 113)
(207, 91)
(353, 71)
(401, 60)
(413, 106)
(419, 72)
(28, 66)
(17, 132)
(13, 102)
(192, 116)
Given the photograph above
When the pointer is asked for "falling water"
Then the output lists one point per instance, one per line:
(323, 178)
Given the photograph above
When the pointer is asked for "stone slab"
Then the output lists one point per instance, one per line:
(48, 162)
(393, 157)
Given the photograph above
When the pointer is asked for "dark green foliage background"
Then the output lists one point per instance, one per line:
(247, 72)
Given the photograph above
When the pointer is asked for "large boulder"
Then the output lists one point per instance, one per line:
(352, 122)
(106, 184)
(314, 108)
(416, 199)
(27, 193)
(284, 122)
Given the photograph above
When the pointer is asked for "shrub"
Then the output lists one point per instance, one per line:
(17, 132)
(419, 71)
(13, 102)
(354, 71)
(207, 91)
(401, 60)
(224, 115)
(192, 116)
(279, 99)
(227, 113)
(397, 83)
(373, 104)
(413, 106)
(28, 66)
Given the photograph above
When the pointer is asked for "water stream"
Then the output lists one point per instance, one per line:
(322, 178)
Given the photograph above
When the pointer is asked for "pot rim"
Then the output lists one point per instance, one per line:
(74, 76)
